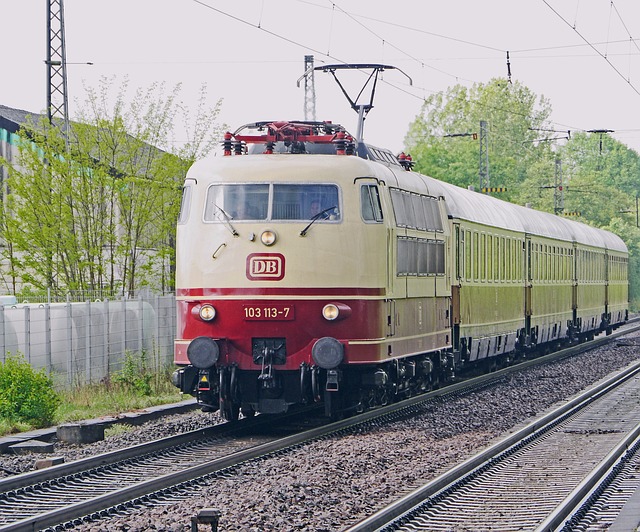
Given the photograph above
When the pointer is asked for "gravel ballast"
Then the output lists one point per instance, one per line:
(331, 484)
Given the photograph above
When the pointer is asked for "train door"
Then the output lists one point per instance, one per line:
(456, 281)
(606, 321)
(606, 280)
(574, 286)
(528, 283)
(376, 207)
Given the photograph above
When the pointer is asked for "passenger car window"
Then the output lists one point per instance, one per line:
(416, 211)
(370, 203)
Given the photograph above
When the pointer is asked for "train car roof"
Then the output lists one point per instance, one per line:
(237, 166)
(481, 208)
(460, 203)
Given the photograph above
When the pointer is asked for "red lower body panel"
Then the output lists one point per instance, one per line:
(243, 325)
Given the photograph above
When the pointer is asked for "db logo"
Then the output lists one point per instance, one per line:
(265, 267)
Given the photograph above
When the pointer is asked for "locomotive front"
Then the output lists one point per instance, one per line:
(280, 256)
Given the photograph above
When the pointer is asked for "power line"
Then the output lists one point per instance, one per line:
(593, 48)
(296, 43)
(410, 28)
(259, 27)
(631, 39)
(393, 85)
(384, 41)
(563, 46)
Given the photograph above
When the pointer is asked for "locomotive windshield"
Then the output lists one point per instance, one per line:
(273, 201)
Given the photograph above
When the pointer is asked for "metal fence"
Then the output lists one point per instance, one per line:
(79, 343)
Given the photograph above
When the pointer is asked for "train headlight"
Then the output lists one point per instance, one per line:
(268, 238)
(327, 352)
(336, 311)
(207, 312)
(330, 312)
(203, 352)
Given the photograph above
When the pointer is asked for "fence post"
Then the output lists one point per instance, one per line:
(124, 326)
(47, 338)
(106, 349)
(3, 341)
(156, 333)
(27, 333)
(140, 323)
(69, 344)
(87, 345)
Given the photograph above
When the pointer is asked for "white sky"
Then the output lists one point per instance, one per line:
(253, 61)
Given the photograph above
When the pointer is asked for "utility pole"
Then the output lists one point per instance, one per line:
(309, 89)
(558, 191)
(57, 101)
(484, 156)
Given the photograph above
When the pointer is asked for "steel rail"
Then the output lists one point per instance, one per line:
(588, 486)
(412, 501)
(112, 457)
(147, 487)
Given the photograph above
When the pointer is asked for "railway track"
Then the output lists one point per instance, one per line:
(39, 499)
(66, 493)
(535, 479)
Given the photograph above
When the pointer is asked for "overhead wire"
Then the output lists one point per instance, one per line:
(384, 41)
(261, 28)
(631, 39)
(563, 46)
(410, 28)
(633, 87)
(352, 16)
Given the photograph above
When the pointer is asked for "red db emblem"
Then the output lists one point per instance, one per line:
(265, 267)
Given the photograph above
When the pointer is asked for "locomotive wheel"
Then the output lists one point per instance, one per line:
(229, 403)
(247, 411)
(230, 410)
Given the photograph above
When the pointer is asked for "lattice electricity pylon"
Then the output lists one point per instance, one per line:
(309, 89)
(57, 101)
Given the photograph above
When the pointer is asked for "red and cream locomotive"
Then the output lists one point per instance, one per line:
(311, 267)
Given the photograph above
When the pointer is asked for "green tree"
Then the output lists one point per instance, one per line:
(99, 211)
(518, 128)
(603, 182)
(601, 176)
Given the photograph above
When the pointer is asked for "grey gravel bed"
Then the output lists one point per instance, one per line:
(123, 436)
(331, 484)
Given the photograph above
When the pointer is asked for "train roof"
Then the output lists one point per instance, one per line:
(304, 137)
(481, 208)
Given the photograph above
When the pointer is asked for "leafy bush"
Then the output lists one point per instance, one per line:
(135, 374)
(26, 395)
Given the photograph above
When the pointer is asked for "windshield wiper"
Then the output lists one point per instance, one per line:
(316, 217)
(227, 219)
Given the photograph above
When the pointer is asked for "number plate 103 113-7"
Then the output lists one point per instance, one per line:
(268, 312)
